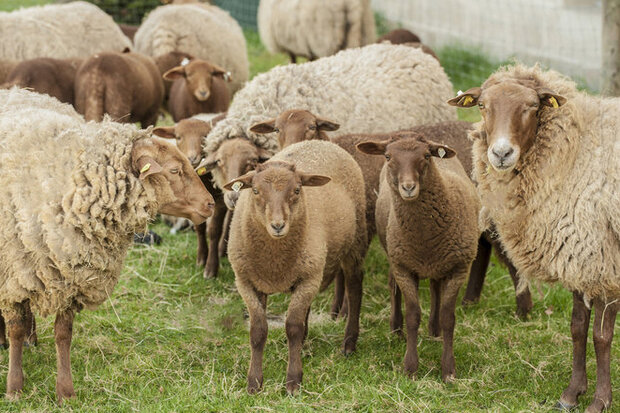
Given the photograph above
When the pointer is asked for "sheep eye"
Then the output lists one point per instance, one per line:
(427, 156)
(481, 105)
(255, 191)
(297, 190)
(174, 171)
(312, 127)
(276, 130)
(388, 157)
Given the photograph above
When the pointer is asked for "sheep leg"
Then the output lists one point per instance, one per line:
(478, 272)
(603, 334)
(223, 244)
(256, 302)
(17, 324)
(215, 228)
(293, 57)
(3, 342)
(433, 320)
(150, 120)
(579, 331)
(63, 331)
(298, 309)
(524, 299)
(449, 292)
(338, 295)
(396, 316)
(409, 286)
(203, 248)
(31, 328)
(353, 278)
(306, 326)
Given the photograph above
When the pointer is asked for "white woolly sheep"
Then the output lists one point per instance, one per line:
(427, 221)
(202, 30)
(549, 183)
(62, 31)
(66, 232)
(316, 28)
(305, 209)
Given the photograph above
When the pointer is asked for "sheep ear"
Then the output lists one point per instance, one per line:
(165, 132)
(314, 180)
(549, 98)
(146, 165)
(243, 182)
(441, 151)
(209, 163)
(372, 148)
(264, 154)
(175, 73)
(326, 125)
(466, 99)
(267, 126)
(218, 71)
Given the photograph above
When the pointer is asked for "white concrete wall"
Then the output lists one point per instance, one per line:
(562, 34)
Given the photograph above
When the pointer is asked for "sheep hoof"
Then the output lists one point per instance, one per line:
(449, 378)
(348, 350)
(292, 388)
(200, 261)
(565, 407)
(209, 273)
(254, 386)
(13, 396)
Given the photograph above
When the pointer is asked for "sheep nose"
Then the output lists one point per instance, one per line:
(203, 93)
(277, 226)
(502, 152)
(408, 186)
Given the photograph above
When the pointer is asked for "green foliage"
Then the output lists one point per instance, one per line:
(127, 11)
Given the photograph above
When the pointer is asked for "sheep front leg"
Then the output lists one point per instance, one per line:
(603, 334)
(223, 243)
(478, 272)
(433, 320)
(17, 324)
(579, 331)
(396, 314)
(256, 302)
(215, 229)
(408, 284)
(63, 331)
(3, 342)
(353, 278)
(449, 293)
(203, 248)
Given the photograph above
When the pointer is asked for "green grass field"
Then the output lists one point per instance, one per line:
(169, 341)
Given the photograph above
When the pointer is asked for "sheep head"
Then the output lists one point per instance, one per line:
(178, 188)
(407, 161)
(276, 193)
(510, 112)
(198, 75)
(233, 158)
(189, 134)
(296, 125)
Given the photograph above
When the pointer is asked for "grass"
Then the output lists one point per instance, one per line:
(167, 340)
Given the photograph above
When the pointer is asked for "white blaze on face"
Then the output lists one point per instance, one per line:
(503, 154)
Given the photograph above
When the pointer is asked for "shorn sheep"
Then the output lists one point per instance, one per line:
(202, 30)
(314, 29)
(372, 89)
(427, 221)
(65, 233)
(547, 162)
(61, 31)
(298, 222)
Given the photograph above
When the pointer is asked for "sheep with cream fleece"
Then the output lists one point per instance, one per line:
(72, 195)
(547, 163)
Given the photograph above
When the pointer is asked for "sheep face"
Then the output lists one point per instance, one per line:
(276, 194)
(198, 75)
(510, 114)
(407, 162)
(294, 126)
(178, 188)
(189, 134)
(232, 159)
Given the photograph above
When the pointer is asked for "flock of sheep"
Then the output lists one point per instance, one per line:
(314, 160)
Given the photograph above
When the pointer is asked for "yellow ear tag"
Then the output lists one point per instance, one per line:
(237, 186)
(466, 100)
(554, 102)
(201, 171)
(145, 168)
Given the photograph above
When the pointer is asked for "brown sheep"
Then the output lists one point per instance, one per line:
(296, 125)
(427, 221)
(128, 30)
(399, 36)
(168, 61)
(127, 86)
(305, 210)
(54, 77)
(6, 66)
(189, 134)
(198, 87)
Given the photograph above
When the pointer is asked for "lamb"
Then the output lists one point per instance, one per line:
(550, 185)
(62, 31)
(127, 86)
(306, 235)
(198, 87)
(54, 77)
(374, 88)
(427, 221)
(314, 29)
(188, 134)
(168, 61)
(202, 30)
(66, 232)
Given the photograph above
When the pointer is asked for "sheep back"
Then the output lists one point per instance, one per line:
(370, 89)
(69, 207)
(204, 31)
(74, 30)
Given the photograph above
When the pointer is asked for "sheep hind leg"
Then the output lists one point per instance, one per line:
(63, 332)
(17, 324)
(524, 298)
(449, 292)
(478, 272)
(579, 331)
(433, 320)
(353, 278)
(339, 292)
(222, 247)
(31, 328)
(215, 229)
(202, 247)
(603, 334)
(3, 341)
(396, 313)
